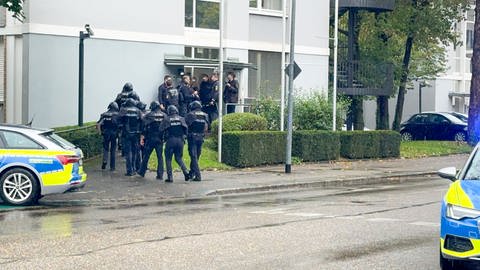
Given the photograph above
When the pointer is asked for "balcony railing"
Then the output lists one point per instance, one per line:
(365, 78)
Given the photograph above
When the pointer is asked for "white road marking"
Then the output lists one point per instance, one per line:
(384, 219)
(304, 214)
(427, 224)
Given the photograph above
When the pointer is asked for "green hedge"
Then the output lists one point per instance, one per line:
(253, 148)
(240, 122)
(369, 144)
(87, 138)
(316, 145)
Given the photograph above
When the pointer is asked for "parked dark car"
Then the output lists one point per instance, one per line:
(434, 126)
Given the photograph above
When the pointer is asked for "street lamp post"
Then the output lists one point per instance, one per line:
(83, 35)
(420, 87)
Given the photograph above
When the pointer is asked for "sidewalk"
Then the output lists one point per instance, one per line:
(105, 187)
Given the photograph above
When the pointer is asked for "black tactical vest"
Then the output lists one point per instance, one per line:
(132, 120)
(176, 128)
(198, 126)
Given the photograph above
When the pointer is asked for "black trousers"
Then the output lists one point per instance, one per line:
(212, 112)
(109, 148)
(132, 152)
(195, 142)
(174, 146)
(230, 109)
(151, 145)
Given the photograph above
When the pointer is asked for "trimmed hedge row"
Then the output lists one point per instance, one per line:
(253, 148)
(316, 145)
(370, 144)
(87, 138)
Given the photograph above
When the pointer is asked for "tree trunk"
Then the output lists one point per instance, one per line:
(357, 105)
(382, 113)
(403, 83)
(474, 110)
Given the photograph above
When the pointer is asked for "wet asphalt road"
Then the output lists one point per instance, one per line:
(375, 227)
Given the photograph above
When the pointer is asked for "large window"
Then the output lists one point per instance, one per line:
(202, 53)
(266, 4)
(202, 13)
(265, 81)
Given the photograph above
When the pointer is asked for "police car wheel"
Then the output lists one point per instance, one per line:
(18, 187)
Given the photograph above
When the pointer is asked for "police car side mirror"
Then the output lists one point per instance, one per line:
(449, 173)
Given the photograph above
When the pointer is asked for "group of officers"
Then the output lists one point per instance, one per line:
(181, 112)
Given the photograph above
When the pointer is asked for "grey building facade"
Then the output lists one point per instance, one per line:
(134, 43)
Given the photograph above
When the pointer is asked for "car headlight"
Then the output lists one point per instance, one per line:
(458, 212)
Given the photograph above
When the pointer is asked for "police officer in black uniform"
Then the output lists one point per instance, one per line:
(169, 95)
(108, 124)
(197, 122)
(121, 99)
(188, 95)
(141, 149)
(153, 124)
(175, 132)
(127, 92)
(131, 119)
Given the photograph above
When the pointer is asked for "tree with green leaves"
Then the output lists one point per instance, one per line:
(474, 110)
(15, 6)
(413, 38)
(424, 25)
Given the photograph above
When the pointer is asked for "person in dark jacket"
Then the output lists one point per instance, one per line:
(153, 123)
(205, 88)
(108, 125)
(131, 119)
(188, 95)
(175, 132)
(197, 122)
(169, 95)
(209, 98)
(230, 92)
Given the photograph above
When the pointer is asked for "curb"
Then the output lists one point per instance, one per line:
(397, 178)
(211, 195)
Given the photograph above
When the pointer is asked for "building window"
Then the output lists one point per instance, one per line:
(266, 80)
(469, 37)
(266, 4)
(202, 14)
(201, 53)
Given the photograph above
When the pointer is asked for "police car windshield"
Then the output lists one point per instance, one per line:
(59, 140)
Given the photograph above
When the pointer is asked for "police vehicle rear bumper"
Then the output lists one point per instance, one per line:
(73, 185)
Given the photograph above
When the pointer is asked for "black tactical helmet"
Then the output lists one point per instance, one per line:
(113, 106)
(171, 110)
(130, 102)
(155, 105)
(128, 87)
(195, 105)
(141, 106)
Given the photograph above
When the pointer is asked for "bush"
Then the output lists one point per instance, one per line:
(270, 110)
(314, 112)
(253, 148)
(240, 122)
(316, 145)
(369, 144)
(87, 138)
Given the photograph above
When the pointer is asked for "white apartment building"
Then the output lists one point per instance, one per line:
(140, 43)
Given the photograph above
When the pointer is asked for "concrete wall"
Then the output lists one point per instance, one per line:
(148, 16)
(53, 75)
